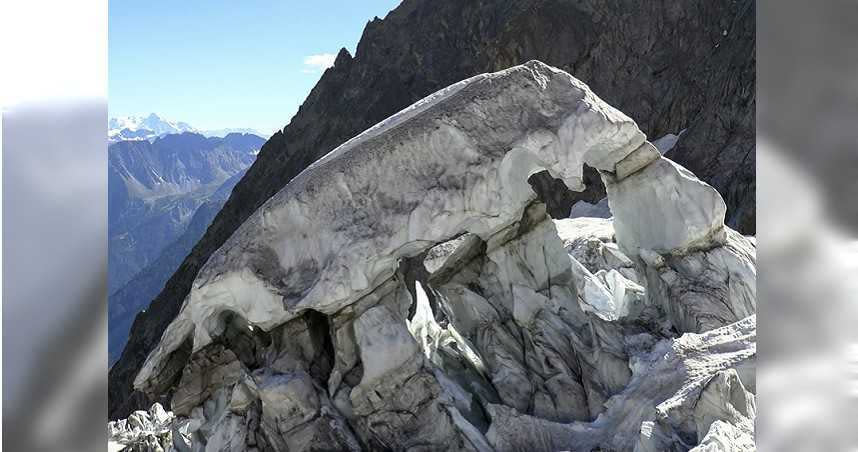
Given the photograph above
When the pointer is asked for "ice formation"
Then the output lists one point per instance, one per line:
(408, 291)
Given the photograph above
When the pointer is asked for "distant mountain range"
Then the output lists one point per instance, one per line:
(160, 191)
(155, 187)
(135, 128)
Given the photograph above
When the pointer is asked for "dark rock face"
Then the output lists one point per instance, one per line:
(671, 66)
(558, 199)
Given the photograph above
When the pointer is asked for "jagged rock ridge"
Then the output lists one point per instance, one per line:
(354, 311)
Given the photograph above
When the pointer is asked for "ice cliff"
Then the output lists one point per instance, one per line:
(409, 292)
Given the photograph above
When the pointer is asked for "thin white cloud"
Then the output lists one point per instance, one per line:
(319, 62)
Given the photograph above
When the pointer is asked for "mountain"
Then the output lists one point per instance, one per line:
(225, 132)
(136, 294)
(143, 127)
(153, 126)
(155, 188)
(670, 66)
(408, 291)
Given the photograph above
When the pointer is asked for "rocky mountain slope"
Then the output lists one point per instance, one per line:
(443, 309)
(154, 189)
(670, 66)
(136, 294)
(163, 196)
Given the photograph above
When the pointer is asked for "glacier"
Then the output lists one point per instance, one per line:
(409, 291)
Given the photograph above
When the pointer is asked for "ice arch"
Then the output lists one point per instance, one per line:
(457, 161)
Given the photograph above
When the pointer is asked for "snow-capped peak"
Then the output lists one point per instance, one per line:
(144, 127)
(153, 126)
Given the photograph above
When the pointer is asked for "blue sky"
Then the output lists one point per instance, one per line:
(220, 63)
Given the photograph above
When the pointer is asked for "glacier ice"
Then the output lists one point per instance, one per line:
(455, 162)
(409, 291)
